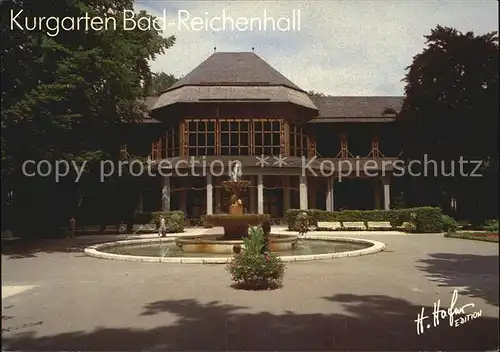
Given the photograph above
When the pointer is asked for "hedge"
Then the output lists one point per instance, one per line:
(426, 219)
(154, 218)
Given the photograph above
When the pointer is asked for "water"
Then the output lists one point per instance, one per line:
(170, 249)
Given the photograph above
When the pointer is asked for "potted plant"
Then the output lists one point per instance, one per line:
(255, 268)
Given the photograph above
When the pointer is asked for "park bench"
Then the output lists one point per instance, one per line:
(329, 225)
(379, 225)
(354, 225)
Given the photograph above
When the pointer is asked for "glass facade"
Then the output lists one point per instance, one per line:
(213, 137)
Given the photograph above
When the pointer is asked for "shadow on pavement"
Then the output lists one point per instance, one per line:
(477, 275)
(368, 323)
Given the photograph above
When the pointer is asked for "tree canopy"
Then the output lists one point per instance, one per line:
(450, 113)
(160, 82)
(62, 94)
(451, 103)
(68, 96)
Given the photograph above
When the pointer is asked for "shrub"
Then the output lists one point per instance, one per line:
(426, 219)
(409, 226)
(157, 215)
(175, 223)
(449, 224)
(253, 269)
(491, 225)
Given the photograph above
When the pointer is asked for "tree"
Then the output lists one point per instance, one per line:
(67, 96)
(160, 82)
(316, 94)
(451, 105)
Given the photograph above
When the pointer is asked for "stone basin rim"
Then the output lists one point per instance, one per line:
(94, 251)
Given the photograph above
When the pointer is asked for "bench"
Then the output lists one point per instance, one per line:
(354, 225)
(329, 225)
(379, 225)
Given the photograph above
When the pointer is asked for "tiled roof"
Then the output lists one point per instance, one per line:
(233, 68)
(357, 107)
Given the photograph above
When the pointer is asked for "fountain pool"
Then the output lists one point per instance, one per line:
(166, 250)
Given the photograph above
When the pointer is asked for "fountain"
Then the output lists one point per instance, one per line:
(235, 224)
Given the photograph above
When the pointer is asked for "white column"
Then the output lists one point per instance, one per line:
(251, 195)
(210, 200)
(387, 193)
(303, 192)
(165, 194)
(218, 197)
(330, 199)
(260, 194)
(286, 194)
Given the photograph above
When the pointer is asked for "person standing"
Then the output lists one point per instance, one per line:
(162, 231)
(72, 226)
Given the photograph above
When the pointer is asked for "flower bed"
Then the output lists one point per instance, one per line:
(477, 236)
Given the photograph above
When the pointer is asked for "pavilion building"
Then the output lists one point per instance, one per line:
(236, 107)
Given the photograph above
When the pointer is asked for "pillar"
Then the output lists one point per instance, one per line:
(286, 194)
(260, 194)
(165, 198)
(218, 198)
(303, 192)
(387, 192)
(377, 197)
(210, 200)
(330, 199)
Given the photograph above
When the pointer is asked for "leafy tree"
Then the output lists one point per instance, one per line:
(316, 94)
(160, 82)
(71, 95)
(451, 105)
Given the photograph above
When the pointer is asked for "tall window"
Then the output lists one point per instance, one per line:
(235, 137)
(201, 137)
(172, 142)
(299, 141)
(167, 145)
(267, 137)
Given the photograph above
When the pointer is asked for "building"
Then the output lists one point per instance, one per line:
(235, 106)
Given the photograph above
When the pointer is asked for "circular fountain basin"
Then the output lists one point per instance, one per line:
(165, 250)
(236, 225)
(218, 244)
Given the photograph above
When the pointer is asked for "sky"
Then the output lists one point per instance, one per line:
(342, 47)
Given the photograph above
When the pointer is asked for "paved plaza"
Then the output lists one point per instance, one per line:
(56, 298)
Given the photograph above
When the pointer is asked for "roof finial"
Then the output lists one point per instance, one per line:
(253, 49)
(215, 49)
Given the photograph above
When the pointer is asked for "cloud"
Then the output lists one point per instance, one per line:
(342, 48)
